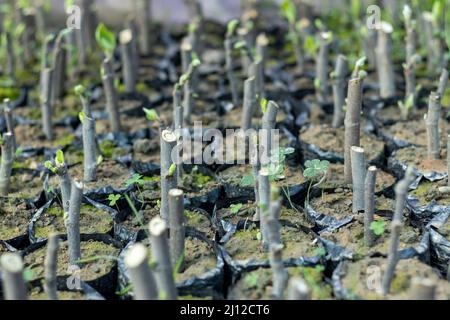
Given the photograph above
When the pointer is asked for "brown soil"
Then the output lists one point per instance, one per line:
(109, 172)
(129, 124)
(244, 246)
(335, 178)
(199, 258)
(196, 184)
(194, 219)
(332, 140)
(359, 274)
(32, 136)
(428, 191)
(233, 118)
(338, 204)
(89, 270)
(15, 215)
(234, 174)
(257, 285)
(351, 237)
(444, 230)
(39, 294)
(417, 157)
(415, 132)
(25, 185)
(92, 220)
(248, 210)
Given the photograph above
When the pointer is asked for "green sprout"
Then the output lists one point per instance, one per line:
(313, 169)
(113, 198)
(289, 11)
(378, 227)
(105, 39)
(80, 90)
(252, 279)
(151, 114)
(358, 71)
(58, 162)
(234, 208)
(172, 169)
(263, 105)
(231, 27)
(135, 179)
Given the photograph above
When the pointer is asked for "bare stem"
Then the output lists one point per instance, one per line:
(73, 222)
(432, 124)
(161, 255)
(177, 228)
(358, 175)
(141, 276)
(168, 182)
(14, 286)
(339, 85)
(51, 267)
(369, 205)
(6, 164)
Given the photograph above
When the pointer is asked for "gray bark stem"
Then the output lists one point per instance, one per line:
(264, 203)
(73, 222)
(6, 164)
(340, 72)
(358, 177)
(322, 67)
(161, 255)
(51, 267)
(46, 102)
(443, 81)
(177, 228)
(298, 290)
(141, 276)
(401, 192)
(9, 118)
(249, 103)
(112, 104)
(386, 75)
(229, 65)
(168, 142)
(128, 67)
(14, 286)
(432, 124)
(369, 205)
(352, 123)
(143, 8)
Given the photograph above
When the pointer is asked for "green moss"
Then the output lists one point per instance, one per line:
(88, 224)
(400, 283)
(65, 141)
(153, 179)
(9, 93)
(314, 277)
(109, 149)
(201, 179)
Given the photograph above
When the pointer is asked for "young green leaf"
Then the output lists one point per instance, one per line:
(234, 208)
(59, 159)
(80, 90)
(247, 181)
(231, 27)
(113, 198)
(105, 39)
(172, 169)
(263, 105)
(81, 116)
(378, 227)
(151, 114)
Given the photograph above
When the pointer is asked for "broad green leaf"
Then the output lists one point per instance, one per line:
(151, 114)
(105, 39)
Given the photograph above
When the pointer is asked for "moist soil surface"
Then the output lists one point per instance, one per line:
(15, 214)
(199, 258)
(428, 191)
(92, 220)
(351, 236)
(233, 175)
(39, 294)
(248, 210)
(415, 132)
(90, 271)
(332, 140)
(257, 284)
(244, 245)
(109, 173)
(358, 273)
(335, 178)
(417, 157)
(194, 219)
(25, 185)
(32, 136)
(338, 204)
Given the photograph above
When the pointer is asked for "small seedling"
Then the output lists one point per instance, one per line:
(313, 169)
(151, 114)
(378, 227)
(113, 198)
(235, 208)
(106, 40)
